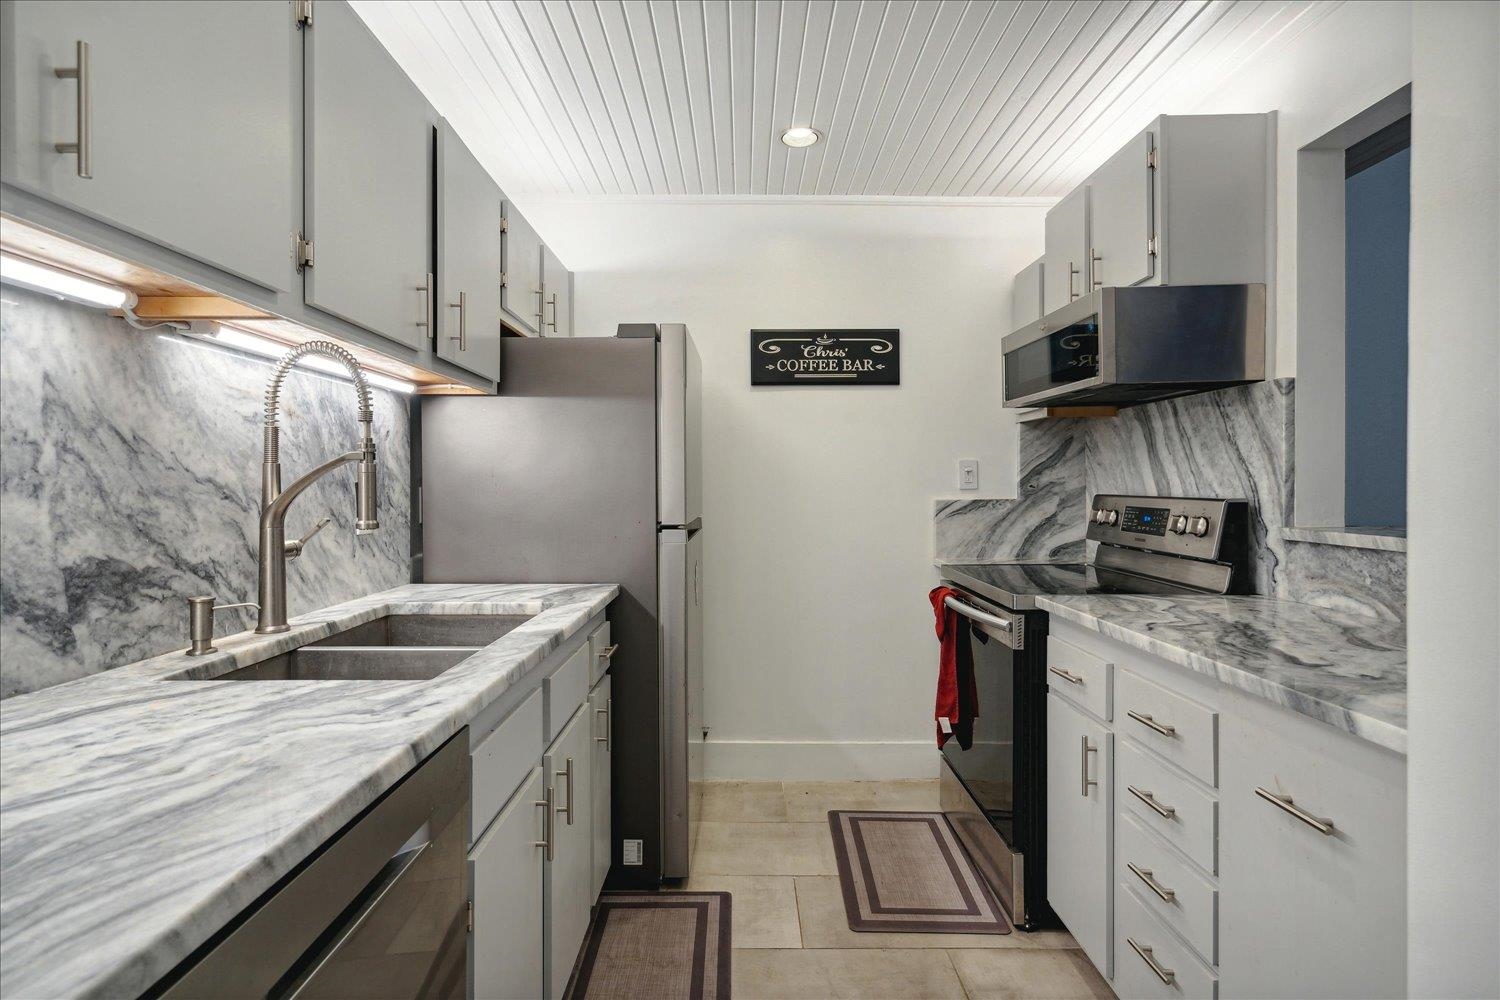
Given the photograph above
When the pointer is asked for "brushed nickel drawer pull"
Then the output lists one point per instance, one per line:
(82, 147)
(608, 652)
(546, 806)
(1284, 802)
(1167, 976)
(1071, 678)
(1165, 812)
(567, 807)
(1087, 781)
(1152, 724)
(1144, 874)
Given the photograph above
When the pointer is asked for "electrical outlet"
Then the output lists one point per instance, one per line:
(633, 850)
(968, 474)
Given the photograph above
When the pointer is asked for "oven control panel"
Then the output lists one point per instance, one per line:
(1196, 527)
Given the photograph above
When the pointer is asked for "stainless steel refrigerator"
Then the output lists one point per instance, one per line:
(585, 469)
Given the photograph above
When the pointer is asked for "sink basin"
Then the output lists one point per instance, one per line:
(426, 630)
(343, 663)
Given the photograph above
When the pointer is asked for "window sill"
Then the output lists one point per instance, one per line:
(1383, 539)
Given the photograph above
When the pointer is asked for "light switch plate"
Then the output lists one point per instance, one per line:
(968, 474)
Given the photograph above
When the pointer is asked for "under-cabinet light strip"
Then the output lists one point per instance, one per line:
(267, 348)
(55, 281)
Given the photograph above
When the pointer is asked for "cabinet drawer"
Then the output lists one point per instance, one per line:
(1168, 803)
(1149, 953)
(1182, 731)
(1080, 677)
(1170, 888)
(600, 653)
(502, 760)
(566, 689)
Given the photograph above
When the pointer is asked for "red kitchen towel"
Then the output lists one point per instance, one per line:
(957, 697)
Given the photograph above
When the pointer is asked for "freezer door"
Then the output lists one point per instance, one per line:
(679, 427)
(681, 678)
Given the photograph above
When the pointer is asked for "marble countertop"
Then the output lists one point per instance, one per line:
(1344, 669)
(138, 815)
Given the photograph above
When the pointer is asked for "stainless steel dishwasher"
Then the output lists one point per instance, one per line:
(379, 911)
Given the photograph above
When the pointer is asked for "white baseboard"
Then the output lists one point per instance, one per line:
(775, 760)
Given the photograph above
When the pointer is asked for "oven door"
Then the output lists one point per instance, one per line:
(992, 792)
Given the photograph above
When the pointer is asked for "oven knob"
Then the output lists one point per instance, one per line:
(1099, 515)
(1198, 526)
(1111, 516)
(1179, 524)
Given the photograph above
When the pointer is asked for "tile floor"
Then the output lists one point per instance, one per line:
(768, 843)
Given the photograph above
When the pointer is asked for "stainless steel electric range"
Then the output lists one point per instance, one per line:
(994, 790)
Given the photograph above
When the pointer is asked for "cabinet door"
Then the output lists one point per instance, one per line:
(1304, 913)
(1121, 213)
(557, 288)
(468, 279)
(522, 294)
(601, 709)
(505, 873)
(570, 876)
(1067, 237)
(1080, 782)
(1026, 296)
(368, 181)
(189, 123)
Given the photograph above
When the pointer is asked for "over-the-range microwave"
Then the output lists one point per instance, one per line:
(1129, 345)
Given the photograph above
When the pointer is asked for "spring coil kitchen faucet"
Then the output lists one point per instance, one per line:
(275, 550)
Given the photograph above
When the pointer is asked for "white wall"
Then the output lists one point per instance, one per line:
(820, 654)
(1355, 56)
(1453, 500)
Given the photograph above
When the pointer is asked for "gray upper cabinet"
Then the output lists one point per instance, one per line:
(468, 278)
(193, 151)
(368, 194)
(557, 296)
(1121, 216)
(522, 295)
(1027, 293)
(1067, 248)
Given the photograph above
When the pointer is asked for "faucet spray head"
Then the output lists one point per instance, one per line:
(366, 486)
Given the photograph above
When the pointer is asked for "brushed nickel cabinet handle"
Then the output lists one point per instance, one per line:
(426, 289)
(547, 829)
(1094, 261)
(83, 145)
(567, 773)
(1072, 273)
(462, 305)
(609, 651)
(1071, 678)
(1322, 824)
(1167, 976)
(1152, 724)
(605, 713)
(1166, 812)
(1144, 874)
(1087, 781)
(539, 309)
(553, 322)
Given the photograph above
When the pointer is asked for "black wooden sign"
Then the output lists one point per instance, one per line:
(825, 357)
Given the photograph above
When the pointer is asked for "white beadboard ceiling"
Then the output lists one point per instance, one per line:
(916, 98)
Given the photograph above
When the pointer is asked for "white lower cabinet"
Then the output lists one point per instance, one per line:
(601, 709)
(1080, 765)
(536, 868)
(570, 873)
(1255, 852)
(1315, 881)
(505, 882)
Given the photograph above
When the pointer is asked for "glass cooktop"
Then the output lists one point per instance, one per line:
(1016, 585)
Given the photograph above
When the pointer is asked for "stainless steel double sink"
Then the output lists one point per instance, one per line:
(391, 648)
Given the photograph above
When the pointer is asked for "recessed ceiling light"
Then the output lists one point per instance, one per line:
(799, 136)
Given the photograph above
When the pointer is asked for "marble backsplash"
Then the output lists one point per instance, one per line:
(129, 480)
(1233, 443)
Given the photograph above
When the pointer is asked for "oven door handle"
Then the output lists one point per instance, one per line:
(1011, 637)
